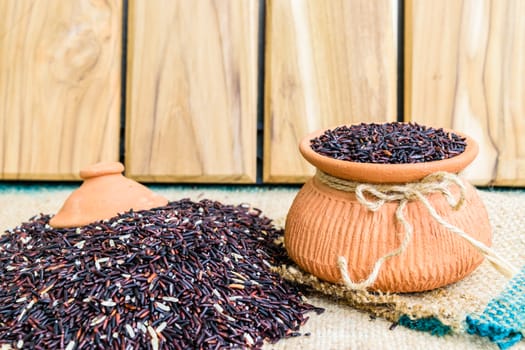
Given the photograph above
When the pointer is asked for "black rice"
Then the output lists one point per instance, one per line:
(185, 276)
(393, 143)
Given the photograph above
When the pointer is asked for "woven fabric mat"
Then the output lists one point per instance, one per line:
(347, 322)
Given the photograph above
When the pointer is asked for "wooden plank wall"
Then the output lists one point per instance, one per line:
(192, 91)
(465, 69)
(327, 63)
(192, 83)
(59, 86)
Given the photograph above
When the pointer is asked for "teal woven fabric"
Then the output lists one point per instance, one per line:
(503, 320)
(428, 324)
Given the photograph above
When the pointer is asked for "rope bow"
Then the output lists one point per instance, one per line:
(374, 196)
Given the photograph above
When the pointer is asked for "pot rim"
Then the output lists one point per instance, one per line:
(387, 173)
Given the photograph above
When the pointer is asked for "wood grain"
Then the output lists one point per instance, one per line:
(192, 91)
(327, 63)
(465, 68)
(59, 86)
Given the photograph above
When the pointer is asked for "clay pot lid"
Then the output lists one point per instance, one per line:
(104, 194)
(387, 173)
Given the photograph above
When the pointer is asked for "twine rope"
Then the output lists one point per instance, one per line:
(374, 196)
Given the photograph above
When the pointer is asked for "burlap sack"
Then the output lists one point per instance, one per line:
(343, 326)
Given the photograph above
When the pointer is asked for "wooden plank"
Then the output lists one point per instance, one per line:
(464, 70)
(327, 63)
(59, 86)
(192, 91)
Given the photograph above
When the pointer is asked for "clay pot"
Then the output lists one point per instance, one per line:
(104, 193)
(324, 223)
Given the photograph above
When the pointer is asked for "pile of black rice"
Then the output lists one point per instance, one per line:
(190, 275)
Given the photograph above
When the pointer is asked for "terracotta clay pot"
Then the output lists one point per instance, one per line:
(324, 223)
(104, 193)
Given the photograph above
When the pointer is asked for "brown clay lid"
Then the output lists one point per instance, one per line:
(104, 193)
(386, 173)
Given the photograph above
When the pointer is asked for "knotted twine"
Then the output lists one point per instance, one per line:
(374, 196)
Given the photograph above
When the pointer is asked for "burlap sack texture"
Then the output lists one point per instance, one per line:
(343, 326)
